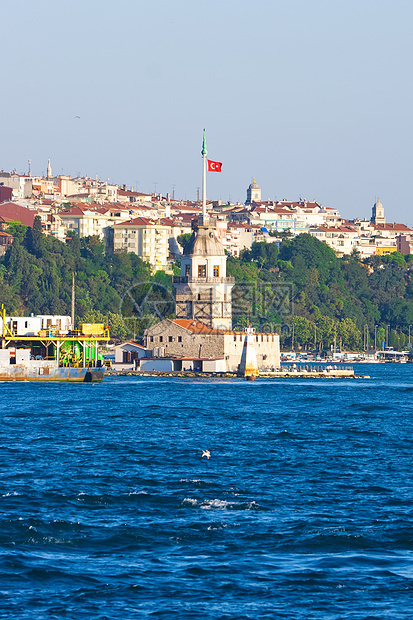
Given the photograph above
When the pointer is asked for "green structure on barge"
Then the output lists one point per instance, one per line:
(50, 353)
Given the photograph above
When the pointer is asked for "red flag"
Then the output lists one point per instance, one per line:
(214, 166)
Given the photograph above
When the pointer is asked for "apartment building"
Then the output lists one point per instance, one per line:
(146, 238)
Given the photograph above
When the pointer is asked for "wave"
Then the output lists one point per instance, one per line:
(219, 504)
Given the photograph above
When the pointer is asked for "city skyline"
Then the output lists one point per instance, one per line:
(311, 99)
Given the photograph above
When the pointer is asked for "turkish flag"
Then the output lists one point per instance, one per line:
(214, 166)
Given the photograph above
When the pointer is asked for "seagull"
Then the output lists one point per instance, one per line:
(77, 116)
(206, 453)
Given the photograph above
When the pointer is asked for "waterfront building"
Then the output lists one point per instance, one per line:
(190, 339)
(201, 333)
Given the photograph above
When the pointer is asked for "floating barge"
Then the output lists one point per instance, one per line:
(50, 354)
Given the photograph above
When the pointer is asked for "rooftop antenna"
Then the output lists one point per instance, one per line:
(30, 165)
(197, 194)
(173, 191)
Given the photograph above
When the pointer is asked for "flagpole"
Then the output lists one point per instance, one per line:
(204, 154)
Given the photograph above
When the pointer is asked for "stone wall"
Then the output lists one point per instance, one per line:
(267, 347)
(171, 340)
(180, 342)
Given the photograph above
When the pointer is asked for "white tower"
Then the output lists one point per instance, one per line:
(203, 290)
(253, 193)
(377, 213)
(49, 169)
(249, 366)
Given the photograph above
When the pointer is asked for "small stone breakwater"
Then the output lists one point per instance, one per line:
(312, 373)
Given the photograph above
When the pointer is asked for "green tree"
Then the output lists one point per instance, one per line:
(34, 237)
(184, 239)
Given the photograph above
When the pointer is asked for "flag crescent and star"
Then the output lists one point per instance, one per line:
(214, 166)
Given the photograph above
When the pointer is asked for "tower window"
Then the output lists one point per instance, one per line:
(201, 271)
(216, 271)
(187, 270)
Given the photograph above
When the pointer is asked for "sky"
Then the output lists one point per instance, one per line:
(312, 98)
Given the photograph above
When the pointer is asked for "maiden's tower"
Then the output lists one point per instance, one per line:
(201, 336)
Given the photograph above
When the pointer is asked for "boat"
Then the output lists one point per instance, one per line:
(55, 352)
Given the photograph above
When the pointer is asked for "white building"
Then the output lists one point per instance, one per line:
(32, 325)
(342, 239)
(21, 184)
(146, 238)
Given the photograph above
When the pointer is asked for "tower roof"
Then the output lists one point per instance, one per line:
(204, 243)
(254, 185)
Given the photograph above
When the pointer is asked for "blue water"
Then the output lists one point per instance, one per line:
(303, 511)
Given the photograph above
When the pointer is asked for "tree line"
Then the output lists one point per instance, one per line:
(299, 288)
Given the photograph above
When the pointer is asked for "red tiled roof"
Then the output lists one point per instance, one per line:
(347, 229)
(196, 327)
(75, 211)
(395, 227)
(138, 221)
(15, 213)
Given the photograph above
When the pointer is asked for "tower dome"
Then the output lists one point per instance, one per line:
(377, 213)
(204, 242)
(253, 193)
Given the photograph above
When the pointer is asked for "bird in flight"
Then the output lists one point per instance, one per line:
(206, 453)
(77, 116)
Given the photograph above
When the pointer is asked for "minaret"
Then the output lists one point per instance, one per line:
(49, 169)
(253, 193)
(377, 213)
(203, 290)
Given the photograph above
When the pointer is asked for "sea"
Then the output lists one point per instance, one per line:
(304, 509)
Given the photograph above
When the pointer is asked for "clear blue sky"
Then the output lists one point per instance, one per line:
(311, 97)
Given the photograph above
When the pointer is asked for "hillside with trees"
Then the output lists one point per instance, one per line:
(348, 299)
(302, 290)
